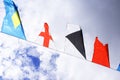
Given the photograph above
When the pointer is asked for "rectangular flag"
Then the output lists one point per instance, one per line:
(75, 43)
(12, 24)
(101, 54)
(118, 69)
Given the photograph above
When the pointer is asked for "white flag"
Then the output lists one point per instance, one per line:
(74, 44)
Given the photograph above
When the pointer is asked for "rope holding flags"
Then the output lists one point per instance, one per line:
(12, 25)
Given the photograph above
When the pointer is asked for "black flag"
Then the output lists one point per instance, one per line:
(76, 39)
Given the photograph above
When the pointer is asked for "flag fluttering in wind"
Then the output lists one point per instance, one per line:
(101, 54)
(75, 37)
(118, 69)
(46, 35)
(12, 24)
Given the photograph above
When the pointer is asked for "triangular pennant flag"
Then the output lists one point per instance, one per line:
(75, 36)
(101, 54)
(118, 69)
(12, 24)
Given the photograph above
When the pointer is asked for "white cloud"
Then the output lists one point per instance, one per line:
(58, 13)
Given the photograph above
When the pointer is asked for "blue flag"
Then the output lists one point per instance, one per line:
(118, 68)
(12, 24)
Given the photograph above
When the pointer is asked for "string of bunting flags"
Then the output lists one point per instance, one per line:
(12, 25)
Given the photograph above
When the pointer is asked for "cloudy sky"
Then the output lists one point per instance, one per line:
(96, 17)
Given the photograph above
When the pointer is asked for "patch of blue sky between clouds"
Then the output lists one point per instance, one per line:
(25, 63)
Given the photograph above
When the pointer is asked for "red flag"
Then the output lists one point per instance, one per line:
(46, 35)
(101, 54)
